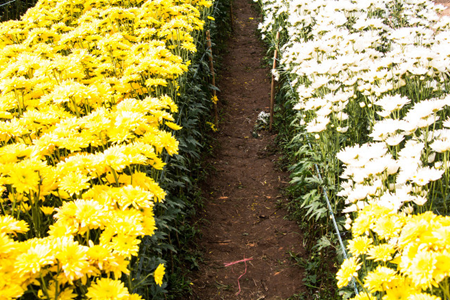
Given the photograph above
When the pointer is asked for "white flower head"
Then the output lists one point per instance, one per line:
(319, 124)
(392, 103)
(395, 139)
(426, 174)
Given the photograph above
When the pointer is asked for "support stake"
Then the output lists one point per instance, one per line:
(216, 114)
(272, 86)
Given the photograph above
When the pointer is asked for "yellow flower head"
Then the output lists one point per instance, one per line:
(47, 210)
(363, 296)
(359, 245)
(159, 274)
(83, 214)
(126, 245)
(107, 289)
(34, 259)
(349, 268)
(23, 178)
(118, 265)
(142, 180)
(74, 182)
(423, 296)
(133, 196)
(8, 246)
(421, 269)
(173, 126)
(380, 280)
(382, 252)
(361, 225)
(10, 225)
(72, 259)
(388, 226)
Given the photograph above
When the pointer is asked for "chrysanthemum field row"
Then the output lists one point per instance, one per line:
(373, 73)
(87, 93)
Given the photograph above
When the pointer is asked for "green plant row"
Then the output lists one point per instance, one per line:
(185, 170)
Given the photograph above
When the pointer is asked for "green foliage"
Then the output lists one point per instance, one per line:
(307, 204)
(172, 244)
(14, 9)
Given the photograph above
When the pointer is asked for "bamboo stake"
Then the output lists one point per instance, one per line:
(272, 86)
(216, 114)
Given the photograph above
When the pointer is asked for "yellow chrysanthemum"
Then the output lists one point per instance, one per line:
(107, 289)
(173, 126)
(399, 288)
(442, 269)
(23, 179)
(73, 259)
(363, 296)
(159, 274)
(34, 259)
(380, 279)
(442, 235)
(74, 182)
(136, 197)
(349, 268)
(125, 245)
(148, 224)
(142, 180)
(361, 225)
(422, 268)
(99, 255)
(388, 226)
(423, 296)
(47, 210)
(359, 245)
(383, 252)
(10, 225)
(118, 265)
(415, 228)
(7, 246)
(10, 289)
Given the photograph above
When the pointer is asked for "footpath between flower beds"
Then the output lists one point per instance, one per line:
(248, 245)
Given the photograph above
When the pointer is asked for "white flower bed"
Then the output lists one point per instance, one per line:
(371, 79)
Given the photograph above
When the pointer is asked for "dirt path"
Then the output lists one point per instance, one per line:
(241, 217)
(446, 3)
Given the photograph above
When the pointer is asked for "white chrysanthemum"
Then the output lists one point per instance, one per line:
(426, 174)
(412, 149)
(386, 128)
(318, 125)
(392, 103)
(395, 139)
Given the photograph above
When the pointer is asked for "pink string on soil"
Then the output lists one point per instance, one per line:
(245, 271)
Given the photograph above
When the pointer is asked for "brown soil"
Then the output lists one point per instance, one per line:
(243, 215)
(446, 3)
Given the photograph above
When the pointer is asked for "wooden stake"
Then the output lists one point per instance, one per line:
(216, 114)
(272, 86)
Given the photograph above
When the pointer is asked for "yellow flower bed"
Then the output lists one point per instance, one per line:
(86, 104)
(398, 255)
